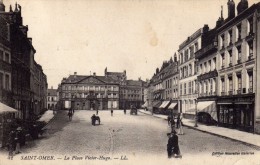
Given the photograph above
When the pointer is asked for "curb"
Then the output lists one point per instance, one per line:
(225, 137)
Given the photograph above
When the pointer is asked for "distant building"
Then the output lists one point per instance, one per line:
(89, 92)
(52, 99)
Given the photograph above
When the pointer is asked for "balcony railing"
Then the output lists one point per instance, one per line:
(223, 93)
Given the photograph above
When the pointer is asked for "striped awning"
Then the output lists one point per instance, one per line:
(164, 104)
(172, 105)
(208, 107)
(4, 109)
(156, 104)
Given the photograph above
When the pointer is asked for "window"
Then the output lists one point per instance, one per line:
(250, 78)
(238, 32)
(1, 55)
(230, 80)
(250, 24)
(250, 49)
(196, 46)
(191, 52)
(230, 57)
(239, 54)
(222, 39)
(223, 60)
(7, 82)
(223, 84)
(7, 57)
(209, 65)
(189, 88)
(1, 80)
(205, 67)
(181, 89)
(185, 88)
(230, 36)
(190, 70)
(201, 71)
(211, 86)
(206, 87)
(239, 83)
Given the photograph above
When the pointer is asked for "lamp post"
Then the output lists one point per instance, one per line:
(196, 114)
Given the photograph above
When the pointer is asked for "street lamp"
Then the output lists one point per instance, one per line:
(196, 114)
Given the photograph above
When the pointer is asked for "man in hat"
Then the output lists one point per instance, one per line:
(18, 140)
(173, 145)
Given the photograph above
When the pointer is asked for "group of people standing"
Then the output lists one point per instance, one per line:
(176, 125)
(15, 141)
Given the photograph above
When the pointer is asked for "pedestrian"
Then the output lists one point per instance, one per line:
(18, 137)
(169, 120)
(173, 145)
(73, 110)
(111, 112)
(70, 115)
(93, 119)
(180, 125)
(11, 144)
(178, 121)
(97, 112)
(124, 110)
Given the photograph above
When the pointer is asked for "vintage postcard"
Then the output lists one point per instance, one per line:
(129, 82)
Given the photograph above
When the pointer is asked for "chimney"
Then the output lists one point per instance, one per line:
(205, 28)
(242, 5)
(94, 74)
(231, 9)
(75, 73)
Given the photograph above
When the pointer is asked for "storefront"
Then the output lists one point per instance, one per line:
(237, 113)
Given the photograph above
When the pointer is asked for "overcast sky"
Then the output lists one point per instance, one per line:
(86, 36)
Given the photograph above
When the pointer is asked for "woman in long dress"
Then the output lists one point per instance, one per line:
(180, 125)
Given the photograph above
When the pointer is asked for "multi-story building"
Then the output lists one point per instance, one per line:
(131, 94)
(238, 49)
(22, 66)
(188, 74)
(89, 92)
(52, 98)
(5, 62)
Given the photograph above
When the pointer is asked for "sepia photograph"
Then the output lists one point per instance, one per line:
(123, 82)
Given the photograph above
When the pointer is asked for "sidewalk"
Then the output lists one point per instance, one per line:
(244, 137)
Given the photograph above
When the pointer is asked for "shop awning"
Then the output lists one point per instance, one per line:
(172, 105)
(145, 105)
(4, 109)
(156, 104)
(208, 107)
(164, 104)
